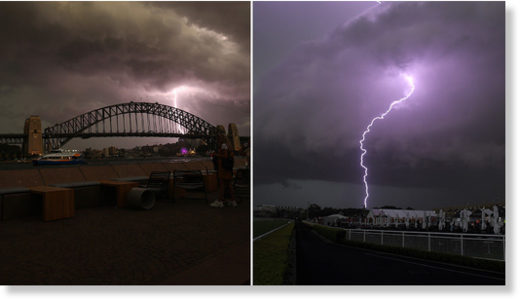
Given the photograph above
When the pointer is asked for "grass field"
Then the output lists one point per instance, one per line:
(264, 225)
(270, 257)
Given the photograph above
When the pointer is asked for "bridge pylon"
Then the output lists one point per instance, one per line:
(33, 139)
(233, 137)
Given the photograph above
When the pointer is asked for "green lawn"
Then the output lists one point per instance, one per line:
(264, 225)
(270, 257)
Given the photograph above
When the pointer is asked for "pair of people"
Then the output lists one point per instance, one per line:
(224, 160)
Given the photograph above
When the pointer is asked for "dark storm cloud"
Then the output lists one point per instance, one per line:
(217, 16)
(74, 57)
(311, 110)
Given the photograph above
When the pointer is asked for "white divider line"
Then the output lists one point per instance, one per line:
(271, 231)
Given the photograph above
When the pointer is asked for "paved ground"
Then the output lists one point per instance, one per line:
(186, 242)
(323, 263)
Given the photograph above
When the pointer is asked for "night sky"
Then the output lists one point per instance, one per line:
(62, 59)
(444, 146)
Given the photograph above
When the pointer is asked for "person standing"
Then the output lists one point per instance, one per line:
(224, 165)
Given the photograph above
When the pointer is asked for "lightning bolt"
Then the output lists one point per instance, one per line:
(409, 79)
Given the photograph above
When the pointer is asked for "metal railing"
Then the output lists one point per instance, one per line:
(485, 246)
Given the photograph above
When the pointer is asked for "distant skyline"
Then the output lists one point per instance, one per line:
(444, 146)
(62, 59)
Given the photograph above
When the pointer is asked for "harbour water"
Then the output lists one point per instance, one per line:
(13, 165)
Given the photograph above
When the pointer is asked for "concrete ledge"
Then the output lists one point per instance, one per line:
(208, 164)
(195, 165)
(151, 167)
(14, 190)
(97, 173)
(20, 178)
(175, 166)
(61, 175)
(19, 202)
(85, 180)
(77, 184)
(135, 178)
(129, 170)
(87, 194)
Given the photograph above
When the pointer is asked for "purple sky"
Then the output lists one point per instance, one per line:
(275, 36)
(444, 146)
(62, 59)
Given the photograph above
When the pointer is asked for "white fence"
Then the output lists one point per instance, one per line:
(470, 245)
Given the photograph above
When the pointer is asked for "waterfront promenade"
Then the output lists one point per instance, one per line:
(185, 242)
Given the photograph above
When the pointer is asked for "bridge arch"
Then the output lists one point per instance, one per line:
(195, 127)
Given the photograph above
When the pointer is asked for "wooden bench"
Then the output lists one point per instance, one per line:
(57, 203)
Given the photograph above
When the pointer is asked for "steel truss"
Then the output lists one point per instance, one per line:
(131, 119)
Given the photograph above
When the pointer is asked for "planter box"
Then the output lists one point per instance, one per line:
(57, 203)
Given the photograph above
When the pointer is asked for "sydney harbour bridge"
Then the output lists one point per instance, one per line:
(137, 119)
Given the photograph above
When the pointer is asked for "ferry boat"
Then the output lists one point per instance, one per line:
(60, 157)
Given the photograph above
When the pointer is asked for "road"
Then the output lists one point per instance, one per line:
(322, 263)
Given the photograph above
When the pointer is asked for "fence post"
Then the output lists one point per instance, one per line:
(429, 243)
(461, 245)
(381, 237)
(364, 231)
(350, 234)
(403, 240)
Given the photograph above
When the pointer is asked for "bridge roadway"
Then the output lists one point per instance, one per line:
(320, 262)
